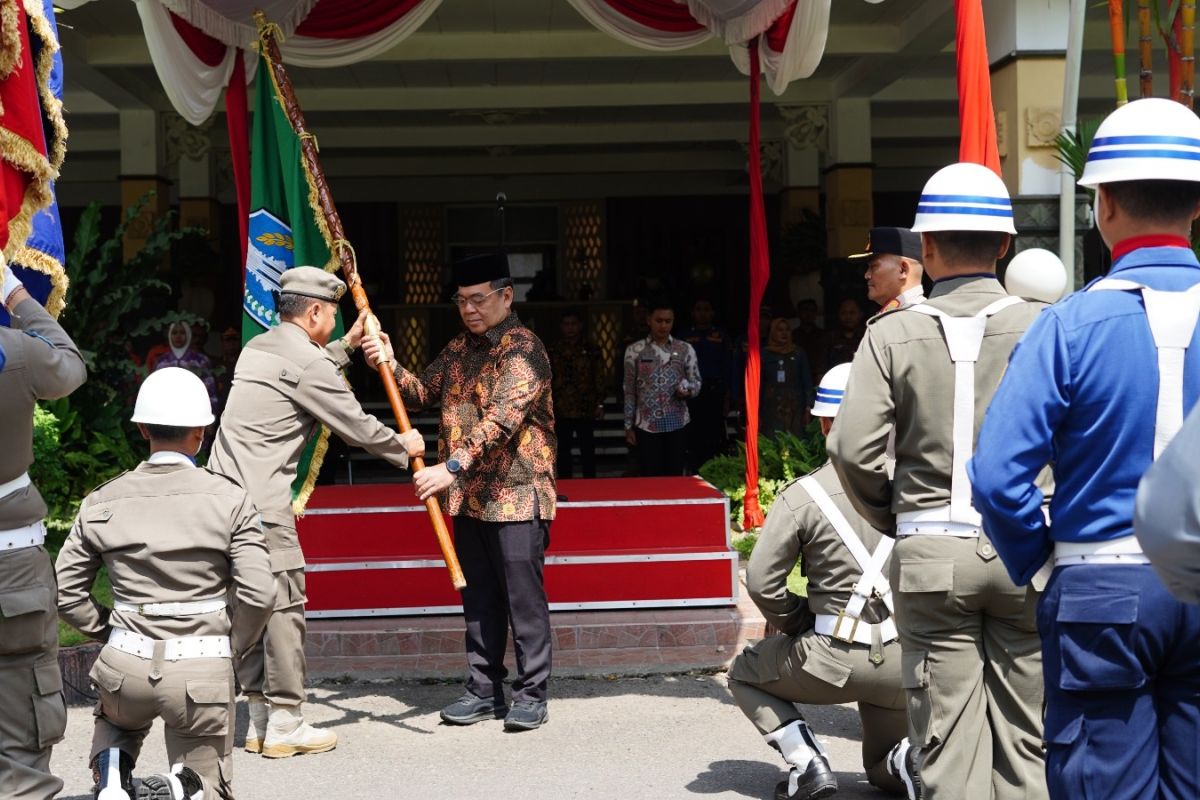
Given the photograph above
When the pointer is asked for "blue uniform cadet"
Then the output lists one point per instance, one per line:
(1082, 392)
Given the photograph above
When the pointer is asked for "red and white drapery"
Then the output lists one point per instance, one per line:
(197, 47)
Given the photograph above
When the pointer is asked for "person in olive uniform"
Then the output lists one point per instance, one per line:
(288, 380)
(176, 540)
(41, 363)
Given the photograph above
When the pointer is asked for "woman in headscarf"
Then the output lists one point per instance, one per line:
(181, 354)
(785, 383)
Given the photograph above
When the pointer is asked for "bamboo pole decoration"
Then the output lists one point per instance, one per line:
(1146, 49)
(1116, 29)
(345, 254)
(1187, 45)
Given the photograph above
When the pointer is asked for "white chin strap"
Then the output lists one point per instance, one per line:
(1172, 317)
(964, 339)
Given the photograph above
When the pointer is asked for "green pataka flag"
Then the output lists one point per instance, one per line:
(286, 230)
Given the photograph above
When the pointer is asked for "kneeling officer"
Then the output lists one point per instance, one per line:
(177, 540)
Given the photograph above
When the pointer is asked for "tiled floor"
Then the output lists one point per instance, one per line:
(585, 642)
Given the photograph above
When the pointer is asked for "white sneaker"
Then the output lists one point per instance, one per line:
(902, 764)
(289, 735)
(259, 712)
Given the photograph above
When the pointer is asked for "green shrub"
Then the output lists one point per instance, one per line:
(781, 460)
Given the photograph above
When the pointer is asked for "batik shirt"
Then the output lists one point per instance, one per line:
(497, 421)
(653, 378)
(578, 379)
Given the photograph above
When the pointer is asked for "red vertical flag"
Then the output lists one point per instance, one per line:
(760, 270)
(976, 119)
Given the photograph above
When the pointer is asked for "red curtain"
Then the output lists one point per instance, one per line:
(661, 15)
(976, 119)
(204, 47)
(350, 19)
(237, 121)
(760, 270)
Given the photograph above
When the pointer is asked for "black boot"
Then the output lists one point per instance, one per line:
(103, 785)
(181, 784)
(816, 781)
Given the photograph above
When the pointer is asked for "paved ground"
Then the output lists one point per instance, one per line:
(618, 739)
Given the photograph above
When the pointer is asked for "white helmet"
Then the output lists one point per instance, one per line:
(830, 391)
(173, 396)
(1036, 274)
(1148, 139)
(964, 197)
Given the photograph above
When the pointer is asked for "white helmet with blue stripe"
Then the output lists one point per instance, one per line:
(829, 393)
(1149, 139)
(964, 197)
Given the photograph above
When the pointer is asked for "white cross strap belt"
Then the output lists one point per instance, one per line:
(1172, 317)
(32, 535)
(189, 609)
(1125, 550)
(870, 584)
(15, 485)
(828, 625)
(964, 340)
(173, 649)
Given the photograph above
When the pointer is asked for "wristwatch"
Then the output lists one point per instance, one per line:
(452, 466)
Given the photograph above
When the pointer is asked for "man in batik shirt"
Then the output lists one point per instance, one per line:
(496, 449)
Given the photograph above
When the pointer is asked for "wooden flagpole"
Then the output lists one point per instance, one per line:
(345, 254)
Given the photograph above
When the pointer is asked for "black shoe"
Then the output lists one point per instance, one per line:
(526, 715)
(910, 772)
(469, 709)
(816, 781)
(159, 787)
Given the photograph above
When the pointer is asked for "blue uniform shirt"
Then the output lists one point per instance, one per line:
(713, 353)
(1080, 394)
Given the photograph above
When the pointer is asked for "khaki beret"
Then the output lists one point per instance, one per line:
(312, 282)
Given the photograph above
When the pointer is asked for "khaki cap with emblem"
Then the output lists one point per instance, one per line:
(312, 282)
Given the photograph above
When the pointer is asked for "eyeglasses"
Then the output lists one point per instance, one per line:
(474, 300)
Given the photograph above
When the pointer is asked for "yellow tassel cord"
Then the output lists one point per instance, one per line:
(266, 29)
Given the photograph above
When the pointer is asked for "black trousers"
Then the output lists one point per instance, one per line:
(583, 430)
(662, 453)
(706, 431)
(502, 562)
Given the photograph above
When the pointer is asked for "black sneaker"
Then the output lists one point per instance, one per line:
(469, 709)
(816, 781)
(187, 784)
(526, 715)
(908, 770)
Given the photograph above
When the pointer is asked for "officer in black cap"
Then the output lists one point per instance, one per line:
(496, 449)
(894, 268)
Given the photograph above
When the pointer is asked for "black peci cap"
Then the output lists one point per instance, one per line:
(892, 241)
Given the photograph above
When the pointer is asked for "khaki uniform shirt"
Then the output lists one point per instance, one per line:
(284, 385)
(168, 532)
(903, 378)
(42, 364)
(797, 526)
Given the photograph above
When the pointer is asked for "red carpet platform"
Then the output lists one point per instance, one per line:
(655, 543)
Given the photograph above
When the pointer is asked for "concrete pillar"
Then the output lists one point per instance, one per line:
(198, 206)
(1025, 44)
(848, 188)
(142, 171)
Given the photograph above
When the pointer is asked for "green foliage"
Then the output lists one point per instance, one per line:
(87, 438)
(1072, 148)
(780, 461)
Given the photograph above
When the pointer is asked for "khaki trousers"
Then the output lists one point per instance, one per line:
(194, 697)
(972, 666)
(274, 667)
(768, 678)
(33, 712)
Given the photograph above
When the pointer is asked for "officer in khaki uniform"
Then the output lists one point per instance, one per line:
(176, 540)
(287, 380)
(41, 362)
(972, 658)
(838, 646)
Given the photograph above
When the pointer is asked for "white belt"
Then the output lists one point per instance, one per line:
(936, 522)
(1125, 550)
(847, 629)
(173, 649)
(15, 485)
(189, 609)
(32, 535)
